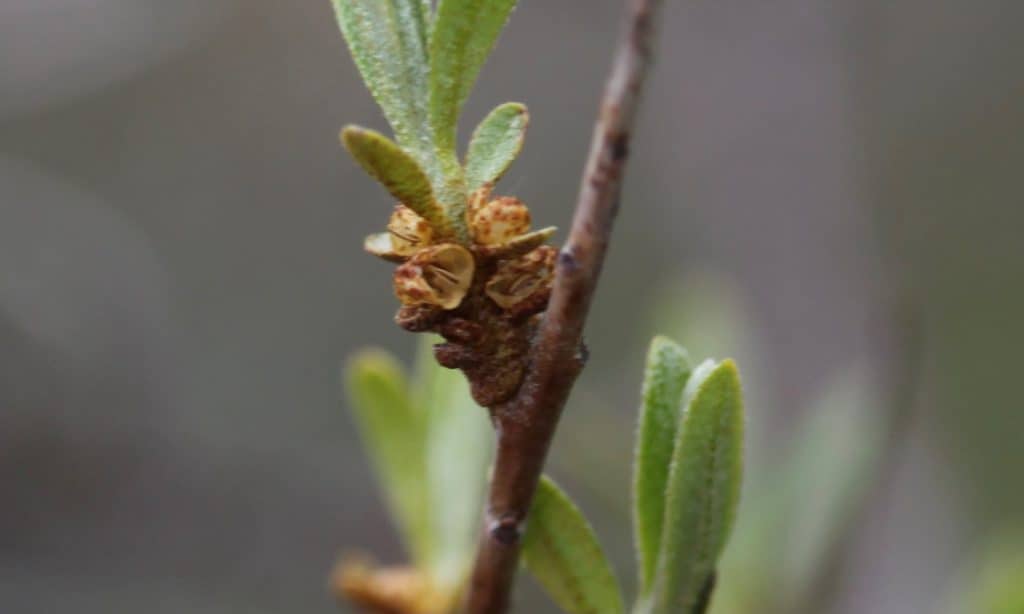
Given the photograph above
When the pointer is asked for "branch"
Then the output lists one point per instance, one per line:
(526, 424)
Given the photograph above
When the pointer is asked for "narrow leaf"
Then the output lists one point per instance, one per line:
(459, 445)
(388, 40)
(393, 432)
(464, 32)
(562, 552)
(665, 375)
(400, 174)
(495, 144)
(832, 461)
(703, 487)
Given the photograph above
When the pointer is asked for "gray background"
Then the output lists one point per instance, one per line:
(181, 274)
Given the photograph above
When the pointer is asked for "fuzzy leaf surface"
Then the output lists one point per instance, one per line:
(392, 430)
(665, 375)
(562, 552)
(495, 144)
(703, 487)
(464, 32)
(389, 41)
(397, 171)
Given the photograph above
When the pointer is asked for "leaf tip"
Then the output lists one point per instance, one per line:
(660, 342)
(729, 370)
(350, 134)
(519, 109)
(371, 361)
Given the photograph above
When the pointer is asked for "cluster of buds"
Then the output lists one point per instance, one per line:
(482, 296)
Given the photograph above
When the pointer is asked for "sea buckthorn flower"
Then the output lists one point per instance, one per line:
(499, 221)
(469, 267)
(523, 280)
(439, 275)
(471, 270)
(408, 232)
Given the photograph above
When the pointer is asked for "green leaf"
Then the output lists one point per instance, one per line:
(711, 312)
(388, 40)
(996, 581)
(665, 376)
(832, 463)
(561, 551)
(463, 34)
(400, 174)
(703, 487)
(392, 431)
(459, 443)
(495, 144)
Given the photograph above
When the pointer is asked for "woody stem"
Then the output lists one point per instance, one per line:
(526, 424)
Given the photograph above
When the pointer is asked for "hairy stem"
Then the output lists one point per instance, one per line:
(526, 424)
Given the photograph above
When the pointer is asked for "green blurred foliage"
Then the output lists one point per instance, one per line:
(561, 550)
(994, 582)
(431, 446)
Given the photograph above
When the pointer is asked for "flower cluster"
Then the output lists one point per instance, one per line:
(437, 271)
(482, 296)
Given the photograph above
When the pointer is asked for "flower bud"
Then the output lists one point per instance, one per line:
(499, 221)
(389, 589)
(438, 275)
(516, 247)
(517, 281)
(409, 232)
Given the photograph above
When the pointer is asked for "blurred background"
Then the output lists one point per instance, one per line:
(181, 279)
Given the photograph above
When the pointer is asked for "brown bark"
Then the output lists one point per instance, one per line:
(526, 423)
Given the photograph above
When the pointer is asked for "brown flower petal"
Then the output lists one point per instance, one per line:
(499, 221)
(409, 232)
(518, 280)
(438, 275)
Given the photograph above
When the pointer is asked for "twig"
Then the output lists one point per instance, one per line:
(526, 424)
